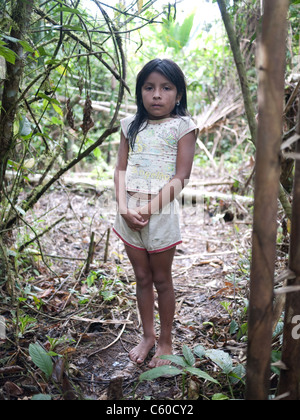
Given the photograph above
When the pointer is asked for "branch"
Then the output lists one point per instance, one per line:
(241, 68)
(86, 46)
(38, 192)
(22, 247)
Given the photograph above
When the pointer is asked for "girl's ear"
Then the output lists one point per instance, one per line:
(178, 98)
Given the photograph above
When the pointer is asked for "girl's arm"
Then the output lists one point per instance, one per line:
(120, 175)
(184, 164)
(133, 219)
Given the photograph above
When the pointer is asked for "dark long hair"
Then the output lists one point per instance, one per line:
(174, 74)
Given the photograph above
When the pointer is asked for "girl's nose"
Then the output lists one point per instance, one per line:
(156, 94)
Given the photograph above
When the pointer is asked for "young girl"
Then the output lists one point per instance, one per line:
(154, 164)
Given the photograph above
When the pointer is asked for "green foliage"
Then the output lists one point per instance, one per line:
(187, 369)
(41, 359)
(185, 363)
(41, 397)
(176, 36)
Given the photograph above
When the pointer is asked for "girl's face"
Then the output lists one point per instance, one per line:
(160, 96)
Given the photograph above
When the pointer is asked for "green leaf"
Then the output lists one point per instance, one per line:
(26, 46)
(185, 30)
(219, 397)
(41, 359)
(160, 371)
(222, 359)
(41, 397)
(25, 127)
(199, 351)
(66, 9)
(237, 374)
(175, 359)
(188, 354)
(201, 374)
(9, 55)
(58, 109)
(48, 98)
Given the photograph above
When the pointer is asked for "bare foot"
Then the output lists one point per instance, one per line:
(162, 350)
(139, 353)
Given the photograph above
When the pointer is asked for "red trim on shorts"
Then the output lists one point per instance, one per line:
(165, 249)
(127, 243)
(144, 249)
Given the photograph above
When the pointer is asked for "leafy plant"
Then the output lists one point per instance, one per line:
(41, 359)
(25, 324)
(224, 361)
(175, 35)
(41, 397)
(54, 342)
(185, 363)
(186, 369)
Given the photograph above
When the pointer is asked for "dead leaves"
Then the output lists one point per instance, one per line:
(87, 123)
(70, 115)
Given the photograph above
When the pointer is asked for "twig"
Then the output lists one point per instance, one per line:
(90, 254)
(31, 228)
(39, 192)
(292, 98)
(22, 247)
(107, 245)
(114, 342)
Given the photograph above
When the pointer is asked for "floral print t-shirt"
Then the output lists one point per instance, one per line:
(152, 162)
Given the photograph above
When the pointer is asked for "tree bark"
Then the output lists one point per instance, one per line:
(272, 53)
(21, 14)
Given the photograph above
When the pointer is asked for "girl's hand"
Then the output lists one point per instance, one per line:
(145, 213)
(135, 221)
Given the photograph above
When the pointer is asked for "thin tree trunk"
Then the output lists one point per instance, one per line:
(271, 98)
(21, 13)
(248, 103)
(290, 379)
(241, 69)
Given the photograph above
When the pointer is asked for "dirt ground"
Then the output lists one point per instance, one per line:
(93, 313)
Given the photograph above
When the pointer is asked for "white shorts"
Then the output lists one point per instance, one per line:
(161, 233)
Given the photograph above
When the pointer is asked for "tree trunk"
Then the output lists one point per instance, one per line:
(290, 379)
(21, 13)
(271, 97)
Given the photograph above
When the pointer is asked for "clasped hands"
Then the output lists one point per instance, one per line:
(137, 219)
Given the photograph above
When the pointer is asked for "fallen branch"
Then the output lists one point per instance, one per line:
(114, 342)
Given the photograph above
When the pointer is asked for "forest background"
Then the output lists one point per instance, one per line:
(67, 76)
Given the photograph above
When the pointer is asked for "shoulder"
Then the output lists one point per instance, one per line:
(185, 126)
(125, 123)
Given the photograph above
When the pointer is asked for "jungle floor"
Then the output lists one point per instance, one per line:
(88, 315)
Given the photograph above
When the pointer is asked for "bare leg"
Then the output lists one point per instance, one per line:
(145, 297)
(161, 265)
